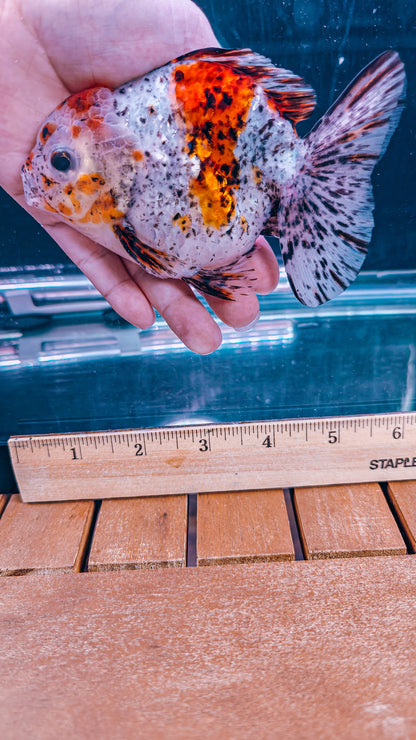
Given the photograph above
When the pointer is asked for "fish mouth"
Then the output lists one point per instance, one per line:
(30, 188)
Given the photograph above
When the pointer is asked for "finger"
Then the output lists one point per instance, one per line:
(265, 266)
(160, 31)
(108, 273)
(243, 311)
(182, 311)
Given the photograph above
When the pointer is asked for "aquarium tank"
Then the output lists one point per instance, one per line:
(69, 363)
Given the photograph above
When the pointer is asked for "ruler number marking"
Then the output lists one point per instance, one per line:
(333, 437)
(398, 429)
(141, 449)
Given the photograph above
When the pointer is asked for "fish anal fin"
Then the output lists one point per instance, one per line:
(205, 282)
(225, 282)
(288, 93)
(152, 260)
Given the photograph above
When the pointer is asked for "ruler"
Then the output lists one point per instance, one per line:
(215, 457)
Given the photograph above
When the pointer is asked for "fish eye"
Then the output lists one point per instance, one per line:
(62, 161)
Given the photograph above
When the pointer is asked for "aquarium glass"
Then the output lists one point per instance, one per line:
(68, 363)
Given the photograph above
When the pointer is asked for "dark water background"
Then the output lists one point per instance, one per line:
(327, 42)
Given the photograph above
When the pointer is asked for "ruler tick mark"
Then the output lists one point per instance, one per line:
(42, 460)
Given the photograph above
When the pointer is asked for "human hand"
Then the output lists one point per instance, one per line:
(50, 50)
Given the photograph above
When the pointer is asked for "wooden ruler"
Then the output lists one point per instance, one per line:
(215, 457)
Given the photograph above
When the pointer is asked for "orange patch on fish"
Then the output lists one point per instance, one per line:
(244, 223)
(47, 131)
(137, 155)
(103, 209)
(257, 174)
(47, 206)
(184, 222)
(64, 209)
(215, 102)
(69, 191)
(95, 123)
(82, 102)
(47, 181)
(75, 130)
(29, 160)
(90, 184)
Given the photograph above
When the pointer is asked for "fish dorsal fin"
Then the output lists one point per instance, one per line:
(288, 93)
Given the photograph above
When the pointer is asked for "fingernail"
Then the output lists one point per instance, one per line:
(249, 326)
(261, 241)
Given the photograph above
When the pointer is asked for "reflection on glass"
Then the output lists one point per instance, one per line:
(66, 363)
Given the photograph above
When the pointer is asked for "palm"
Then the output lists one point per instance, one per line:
(60, 49)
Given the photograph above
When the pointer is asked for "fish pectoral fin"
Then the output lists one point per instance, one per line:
(152, 260)
(288, 93)
(225, 282)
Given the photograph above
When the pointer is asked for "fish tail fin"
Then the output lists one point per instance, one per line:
(324, 218)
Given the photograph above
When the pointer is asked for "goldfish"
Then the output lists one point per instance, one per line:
(180, 170)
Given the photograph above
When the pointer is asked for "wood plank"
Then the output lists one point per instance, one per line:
(43, 537)
(247, 526)
(403, 498)
(4, 498)
(140, 533)
(271, 650)
(346, 521)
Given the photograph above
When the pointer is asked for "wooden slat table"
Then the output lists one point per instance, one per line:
(320, 648)
(249, 526)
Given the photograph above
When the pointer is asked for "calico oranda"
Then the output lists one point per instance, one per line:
(184, 168)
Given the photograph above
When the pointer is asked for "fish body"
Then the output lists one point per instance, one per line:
(183, 168)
